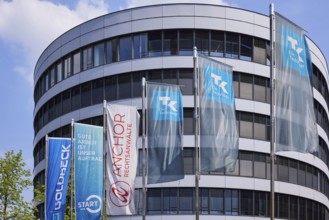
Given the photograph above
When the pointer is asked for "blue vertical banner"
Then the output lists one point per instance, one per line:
(296, 128)
(219, 139)
(88, 171)
(164, 133)
(59, 153)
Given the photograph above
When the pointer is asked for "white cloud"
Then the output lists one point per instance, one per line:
(33, 25)
(137, 3)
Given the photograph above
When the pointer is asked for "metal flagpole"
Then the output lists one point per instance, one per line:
(143, 147)
(272, 111)
(104, 158)
(46, 175)
(196, 131)
(72, 170)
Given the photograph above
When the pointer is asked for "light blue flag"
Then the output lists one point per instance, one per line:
(218, 133)
(58, 172)
(164, 133)
(295, 119)
(88, 170)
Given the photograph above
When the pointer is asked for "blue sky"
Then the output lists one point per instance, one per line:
(28, 26)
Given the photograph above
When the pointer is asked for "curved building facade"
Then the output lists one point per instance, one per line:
(105, 59)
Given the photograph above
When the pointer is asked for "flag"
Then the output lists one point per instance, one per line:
(58, 172)
(164, 133)
(88, 171)
(122, 125)
(295, 119)
(218, 132)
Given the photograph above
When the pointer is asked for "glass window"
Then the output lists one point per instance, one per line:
(259, 89)
(203, 201)
(246, 202)
(170, 45)
(246, 48)
(76, 63)
(112, 51)
(186, 42)
(293, 207)
(86, 94)
(228, 202)
(99, 54)
(155, 76)
(301, 174)
(136, 46)
(75, 98)
(143, 45)
(217, 43)
(246, 161)
(260, 203)
(283, 206)
(259, 165)
(125, 48)
(59, 72)
(188, 121)
(293, 166)
(202, 41)
(186, 79)
(246, 128)
(235, 202)
(236, 83)
(188, 155)
(170, 204)
(155, 43)
(67, 67)
(87, 62)
(124, 86)
(283, 171)
(260, 127)
(186, 203)
(111, 88)
(259, 51)
(138, 199)
(137, 83)
(216, 201)
(315, 179)
(170, 76)
(46, 81)
(232, 45)
(58, 105)
(302, 209)
(154, 201)
(66, 101)
(246, 86)
(309, 174)
(52, 76)
(97, 91)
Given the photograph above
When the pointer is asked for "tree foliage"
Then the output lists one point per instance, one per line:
(13, 180)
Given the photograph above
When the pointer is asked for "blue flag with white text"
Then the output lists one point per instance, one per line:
(219, 137)
(88, 171)
(57, 177)
(164, 133)
(296, 128)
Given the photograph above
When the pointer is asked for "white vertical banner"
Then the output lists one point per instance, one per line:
(121, 147)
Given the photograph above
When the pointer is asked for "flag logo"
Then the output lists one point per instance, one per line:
(93, 204)
(218, 85)
(165, 105)
(120, 193)
(293, 51)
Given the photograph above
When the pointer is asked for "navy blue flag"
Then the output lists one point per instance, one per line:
(164, 133)
(296, 128)
(219, 137)
(58, 171)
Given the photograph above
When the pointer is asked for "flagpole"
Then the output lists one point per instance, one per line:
(272, 110)
(46, 175)
(143, 147)
(72, 170)
(196, 132)
(104, 159)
